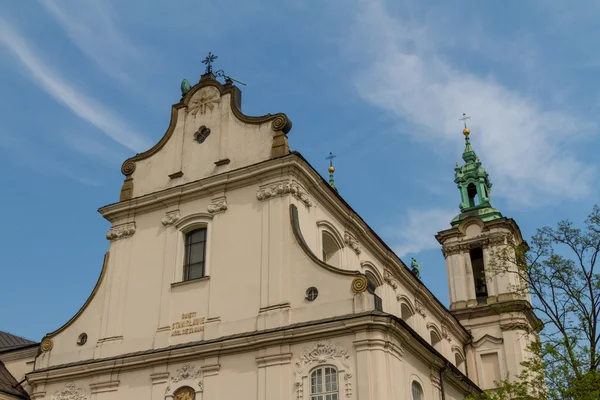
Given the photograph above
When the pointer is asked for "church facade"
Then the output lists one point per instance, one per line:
(234, 270)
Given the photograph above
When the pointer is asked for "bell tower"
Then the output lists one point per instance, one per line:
(487, 303)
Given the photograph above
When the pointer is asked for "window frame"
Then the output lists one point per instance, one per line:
(324, 392)
(188, 244)
(184, 226)
(418, 384)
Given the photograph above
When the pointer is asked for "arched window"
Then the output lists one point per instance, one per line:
(417, 391)
(195, 254)
(406, 313)
(436, 341)
(472, 193)
(324, 383)
(331, 250)
(184, 393)
(458, 361)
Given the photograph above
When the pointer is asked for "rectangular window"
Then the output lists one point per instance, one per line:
(491, 370)
(195, 254)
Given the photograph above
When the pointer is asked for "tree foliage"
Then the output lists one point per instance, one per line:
(558, 270)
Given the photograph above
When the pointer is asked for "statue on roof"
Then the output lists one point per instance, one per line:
(414, 267)
(185, 87)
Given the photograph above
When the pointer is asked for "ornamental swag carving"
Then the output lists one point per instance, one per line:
(186, 372)
(70, 392)
(352, 242)
(122, 231)
(171, 217)
(218, 205)
(282, 188)
(322, 353)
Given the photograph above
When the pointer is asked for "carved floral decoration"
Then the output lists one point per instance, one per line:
(186, 373)
(122, 231)
(419, 307)
(70, 392)
(171, 217)
(208, 98)
(282, 188)
(323, 352)
(218, 205)
(352, 242)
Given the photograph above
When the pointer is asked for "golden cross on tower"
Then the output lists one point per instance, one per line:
(464, 119)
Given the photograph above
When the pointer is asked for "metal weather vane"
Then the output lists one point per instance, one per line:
(210, 58)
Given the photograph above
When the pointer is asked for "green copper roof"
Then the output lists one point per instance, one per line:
(475, 186)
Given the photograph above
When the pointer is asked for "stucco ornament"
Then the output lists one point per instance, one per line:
(359, 284)
(284, 188)
(185, 373)
(207, 98)
(217, 205)
(70, 392)
(171, 217)
(122, 231)
(352, 242)
(324, 352)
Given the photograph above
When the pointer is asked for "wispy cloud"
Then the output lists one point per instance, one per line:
(81, 105)
(29, 155)
(524, 144)
(91, 27)
(418, 229)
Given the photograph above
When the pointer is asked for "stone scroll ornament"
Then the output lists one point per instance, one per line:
(70, 392)
(185, 374)
(322, 353)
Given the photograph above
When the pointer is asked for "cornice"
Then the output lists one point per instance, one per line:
(248, 342)
(497, 309)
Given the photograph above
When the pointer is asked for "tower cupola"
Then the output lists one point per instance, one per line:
(474, 184)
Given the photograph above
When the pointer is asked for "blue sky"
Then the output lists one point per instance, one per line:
(381, 84)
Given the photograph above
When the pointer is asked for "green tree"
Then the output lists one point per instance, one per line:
(558, 270)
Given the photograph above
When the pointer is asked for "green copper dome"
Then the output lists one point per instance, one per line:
(474, 185)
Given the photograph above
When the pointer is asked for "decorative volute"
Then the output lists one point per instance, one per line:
(208, 135)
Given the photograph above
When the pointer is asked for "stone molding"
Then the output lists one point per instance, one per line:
(282, 188)
(515, 326)
(322, 353)
(70, 392)
(352, 242)
(122, 231)
(276, 359)
(483, 241)
(171, 218)
(101, 387)
(218, 205)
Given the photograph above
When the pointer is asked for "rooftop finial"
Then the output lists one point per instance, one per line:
(210, 58)
(331, 170)
(464, 119)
